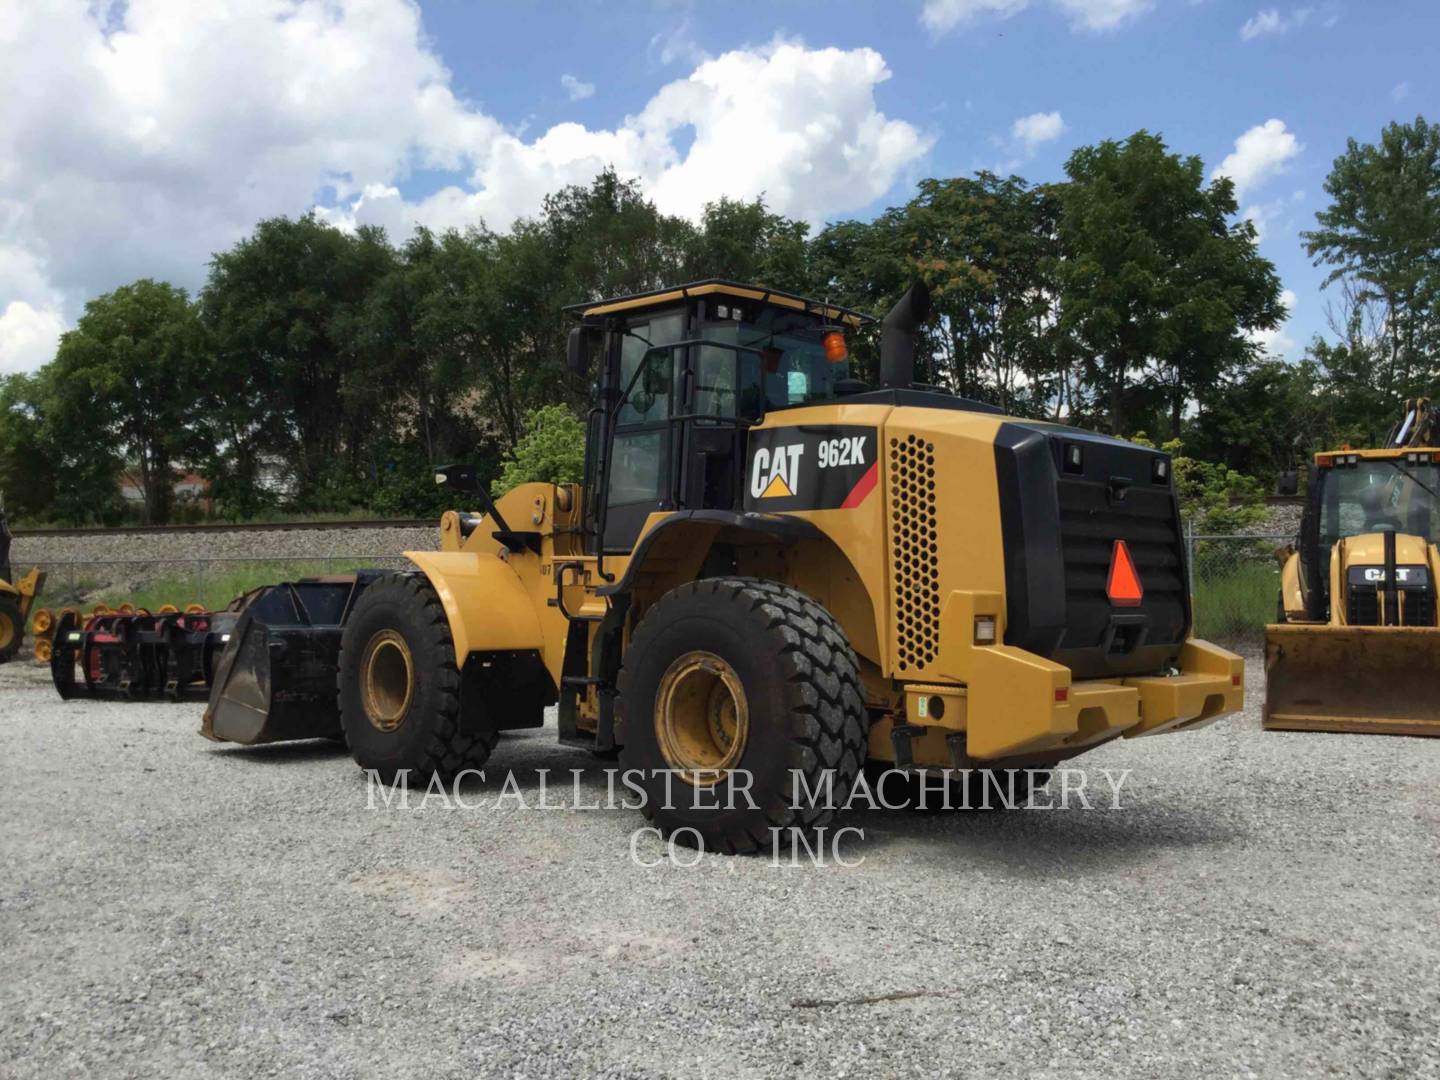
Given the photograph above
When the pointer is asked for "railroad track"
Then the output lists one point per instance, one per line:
(223, 527)
(304, 526)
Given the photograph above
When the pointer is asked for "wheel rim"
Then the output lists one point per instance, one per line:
(387, 679)
(702, 719)
(7, 631)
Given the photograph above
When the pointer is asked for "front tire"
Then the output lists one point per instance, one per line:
(728, 680)
(399, 686)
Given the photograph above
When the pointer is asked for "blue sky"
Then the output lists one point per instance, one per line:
(138, 137)
(1328, 71)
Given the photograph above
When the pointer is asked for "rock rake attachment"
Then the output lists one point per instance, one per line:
(129, 653)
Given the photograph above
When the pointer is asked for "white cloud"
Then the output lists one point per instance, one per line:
(28, 336)
(1263, 216)
(1259, 154)
(1041, 127)
(676, 44)
(942, 16)
(139, 140)
(1400, 92)
(1270, 22)
(1103, 14)
(797, 125)
(577, 90)
(1277, 343)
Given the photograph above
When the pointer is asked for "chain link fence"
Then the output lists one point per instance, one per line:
(1235, 581)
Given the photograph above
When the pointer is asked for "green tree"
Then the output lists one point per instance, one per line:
(551, 451)
(27, 461)
(1218, 500)
(1158, 288)
(1267, 418)
(986, 247)
(1380, 236)
(299, 380)
(132, 377)
(744, 241)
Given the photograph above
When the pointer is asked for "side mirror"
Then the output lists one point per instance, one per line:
(1288, 482)
(578, 349)
(460, 478)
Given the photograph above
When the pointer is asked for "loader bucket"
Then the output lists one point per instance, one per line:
(275, 680)
(1377, 679)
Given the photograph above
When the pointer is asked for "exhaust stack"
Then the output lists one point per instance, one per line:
(897, 336)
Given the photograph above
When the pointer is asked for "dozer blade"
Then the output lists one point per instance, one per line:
(275, 680)
(1376, 679)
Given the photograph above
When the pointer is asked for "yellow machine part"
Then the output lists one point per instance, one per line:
(1378, 679)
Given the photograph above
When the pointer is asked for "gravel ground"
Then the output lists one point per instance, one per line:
(1263, 904)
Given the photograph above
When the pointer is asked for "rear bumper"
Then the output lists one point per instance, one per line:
(1018, 705)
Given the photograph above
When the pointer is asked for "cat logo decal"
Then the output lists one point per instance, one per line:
(811, 467)
(775, 473)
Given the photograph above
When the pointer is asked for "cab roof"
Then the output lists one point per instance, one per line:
(710, 286)
(1382, 453)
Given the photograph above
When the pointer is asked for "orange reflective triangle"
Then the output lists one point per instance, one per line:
(1123, 586)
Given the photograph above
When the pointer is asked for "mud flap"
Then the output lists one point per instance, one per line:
(1378, 679)
(275, 680)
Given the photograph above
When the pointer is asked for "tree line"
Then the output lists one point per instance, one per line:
(321, 370)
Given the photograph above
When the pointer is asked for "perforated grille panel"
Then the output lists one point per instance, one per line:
(915, 547)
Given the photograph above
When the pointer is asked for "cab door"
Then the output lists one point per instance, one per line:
(639, 470)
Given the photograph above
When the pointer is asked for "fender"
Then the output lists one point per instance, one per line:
(777, 526)
(487, 605)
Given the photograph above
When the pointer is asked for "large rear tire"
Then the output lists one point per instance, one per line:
(729, 680)
(399, 686)
(12, 628)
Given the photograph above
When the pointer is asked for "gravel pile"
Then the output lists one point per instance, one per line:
(179, 548)
(1263, 904)
(1279, 521)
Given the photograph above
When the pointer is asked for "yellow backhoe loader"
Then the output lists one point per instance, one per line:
(772, 572)
(1357, 643)
(16, 597)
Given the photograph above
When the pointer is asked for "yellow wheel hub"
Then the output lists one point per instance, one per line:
(387, 680)
(7, 631)
(701, 717)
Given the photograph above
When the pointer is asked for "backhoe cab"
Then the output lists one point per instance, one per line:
(773, 572)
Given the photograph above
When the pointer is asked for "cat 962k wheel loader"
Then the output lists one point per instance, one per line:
(774, 572)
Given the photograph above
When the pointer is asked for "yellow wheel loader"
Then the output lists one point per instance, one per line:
(1357, 644)
(16, 597)
(771, 573)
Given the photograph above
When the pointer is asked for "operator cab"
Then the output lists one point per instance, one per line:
(682, 374)
(1353, 495)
